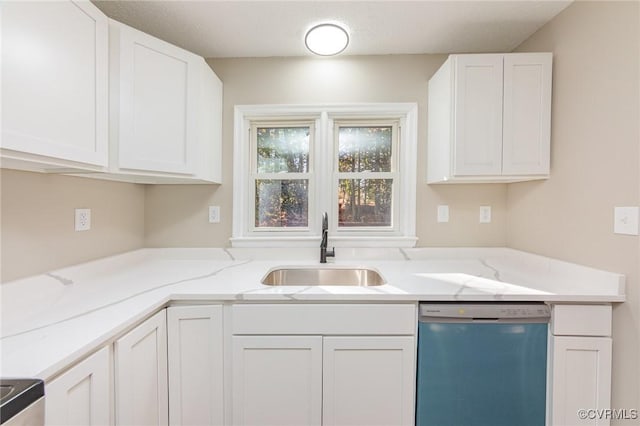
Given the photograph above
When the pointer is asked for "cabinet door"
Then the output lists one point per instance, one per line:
(368, 380)
(82, 395)
(581, 378)
(277, 380)
(55, 82)
(195, 365)
(141, 374)
(478, 115)
(527, 113)
(158, 103)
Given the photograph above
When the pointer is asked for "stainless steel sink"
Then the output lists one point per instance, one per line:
(332, 275)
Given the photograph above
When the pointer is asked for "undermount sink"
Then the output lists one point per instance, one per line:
(332, 275)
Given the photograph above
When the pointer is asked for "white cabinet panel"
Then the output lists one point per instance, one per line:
(82, 395)
(158, 100)
(368, 380)
(166, 112)
(277, 380)
(141, 374)
(581, 379)
(54, 85)
(490, 118)
(478, 115)
(527, 113)
(195, 365)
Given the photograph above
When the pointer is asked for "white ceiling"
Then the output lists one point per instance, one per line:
(276, 28)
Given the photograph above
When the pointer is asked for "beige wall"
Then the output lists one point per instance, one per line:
(37, 221)
(177, 216)
(595, 163)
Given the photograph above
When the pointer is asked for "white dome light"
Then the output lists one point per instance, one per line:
(326, 39)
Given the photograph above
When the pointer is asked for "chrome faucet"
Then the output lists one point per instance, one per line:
(324, 253)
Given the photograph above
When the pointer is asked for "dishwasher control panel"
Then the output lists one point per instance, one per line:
(485, 311)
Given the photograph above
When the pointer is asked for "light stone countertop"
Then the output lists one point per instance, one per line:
(49, 321)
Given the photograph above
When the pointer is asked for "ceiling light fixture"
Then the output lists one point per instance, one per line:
(326, 39)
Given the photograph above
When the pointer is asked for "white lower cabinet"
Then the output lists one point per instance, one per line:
(141, 374)
(82, 395)
(581, 379)
(195, 359)
(323, 364)
(368, 380)
(277, 380)
(580, 365)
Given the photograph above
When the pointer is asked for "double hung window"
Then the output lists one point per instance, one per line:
(357, 163)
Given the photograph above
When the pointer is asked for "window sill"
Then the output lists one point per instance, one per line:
(340, 241)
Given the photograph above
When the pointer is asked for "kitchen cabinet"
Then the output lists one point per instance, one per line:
(277, 380)
(323, 364)
(82, 395)
(141, 374)
(54, 86)
(166, 111)
(195, 359)
(490, 118)
(368, 380)
(581, 349)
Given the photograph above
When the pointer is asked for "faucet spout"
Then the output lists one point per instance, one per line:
(324, 253)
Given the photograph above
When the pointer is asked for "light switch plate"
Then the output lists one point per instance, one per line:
(625, 220)
(485, 214)
(443, 213)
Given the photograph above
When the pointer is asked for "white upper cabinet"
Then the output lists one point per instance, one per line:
(166, 107)
(54, 86)
(490, 118)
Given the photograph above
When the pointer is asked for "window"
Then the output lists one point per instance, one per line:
(281, 174)
(366, 170)
(356, 162)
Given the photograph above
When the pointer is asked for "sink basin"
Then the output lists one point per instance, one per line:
(331, 275)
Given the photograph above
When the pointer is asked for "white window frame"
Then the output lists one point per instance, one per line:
(403, 234)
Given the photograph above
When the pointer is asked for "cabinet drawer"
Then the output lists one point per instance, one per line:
(380, 319)
(581, 320)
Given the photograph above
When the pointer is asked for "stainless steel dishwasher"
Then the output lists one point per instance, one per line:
(482, 364)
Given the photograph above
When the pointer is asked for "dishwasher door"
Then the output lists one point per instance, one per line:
(482, 364)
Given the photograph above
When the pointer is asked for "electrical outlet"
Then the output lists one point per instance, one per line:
(83, 219)
(443, 213)
(214, 214)
(485, 214)
(625, 220)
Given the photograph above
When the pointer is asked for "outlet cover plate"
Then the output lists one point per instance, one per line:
(625, 220)
(214, 214)
(82, 219)
(485, 214)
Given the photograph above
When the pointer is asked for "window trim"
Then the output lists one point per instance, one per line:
(324, 116)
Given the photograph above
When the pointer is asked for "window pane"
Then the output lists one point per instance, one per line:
(364, 149)
(283, 149)
(364, 202)
(282, 203)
